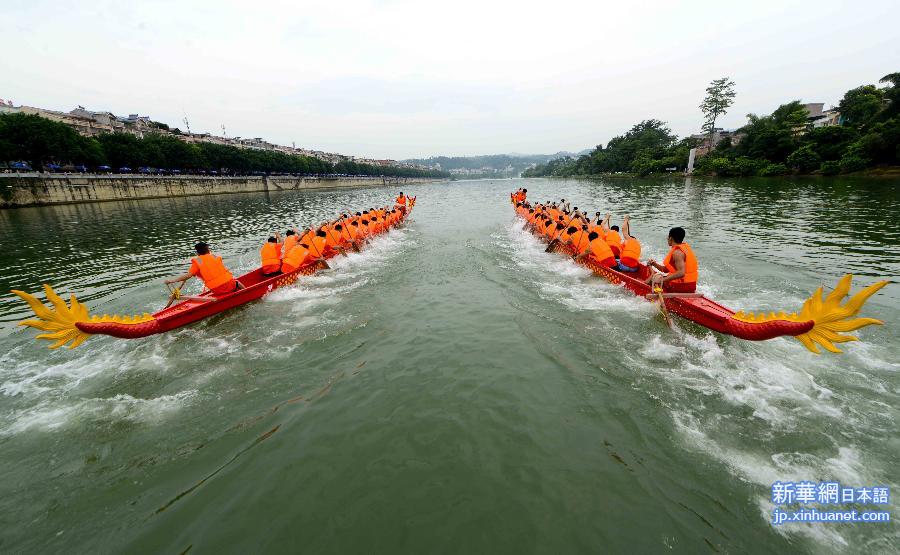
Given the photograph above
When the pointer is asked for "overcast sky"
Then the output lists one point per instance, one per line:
(399, 79)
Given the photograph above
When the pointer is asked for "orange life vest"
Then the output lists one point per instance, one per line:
(331, 238)
(690, 264)
(271, 257)
(289, 243)
(318, 246)
(579, 241)
(307, 238)
(614, 241)
(295, 258)
(600, 250)
(631, 253)
(211, 270)
(401, 200)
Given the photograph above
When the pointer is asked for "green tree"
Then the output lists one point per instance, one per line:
(38, 140)
(860, 105)
(775, 136)
(892, 93)
(719, 97)
(804, 159)
(831, 142)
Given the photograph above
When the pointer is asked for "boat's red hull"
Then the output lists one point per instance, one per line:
(700, 309)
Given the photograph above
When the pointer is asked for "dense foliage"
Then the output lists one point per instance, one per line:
(781, 143)
(648, 147)
(40, 141)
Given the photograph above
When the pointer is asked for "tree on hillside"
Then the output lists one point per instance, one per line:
(719, 97)
(861, 104)
(892, 93)
(775, 136)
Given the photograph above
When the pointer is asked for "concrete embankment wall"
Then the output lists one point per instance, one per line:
(18, 190)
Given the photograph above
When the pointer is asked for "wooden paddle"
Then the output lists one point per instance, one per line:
(174, 293)
(555, 239)
(662, 305)
(336, 247)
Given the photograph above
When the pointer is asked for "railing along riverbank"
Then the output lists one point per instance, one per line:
(19, 190)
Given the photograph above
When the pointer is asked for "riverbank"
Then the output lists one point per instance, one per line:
(878, 171)
(21, 190)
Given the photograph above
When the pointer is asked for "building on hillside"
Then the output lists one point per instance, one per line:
(90, 124)
(718, 135)
(828, 118)
(813, 110)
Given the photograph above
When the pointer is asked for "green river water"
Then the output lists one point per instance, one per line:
(453, 388)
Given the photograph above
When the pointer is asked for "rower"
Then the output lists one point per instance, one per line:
(612, 237)
(211, 270)
(579, 240)
(680, 266)
(401, 201)
(318, 244)
(298, 256)
(599, 251)
(270, 253)
(290, 239)
(629, 260)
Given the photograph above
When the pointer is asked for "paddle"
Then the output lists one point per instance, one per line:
(336, 247)
(578, 246)
(317, 252)
(174, 293)
(662, 305)
(555, 239)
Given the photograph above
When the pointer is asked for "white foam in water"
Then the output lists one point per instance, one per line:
(47, 418)
(657, 349)
(559, 279)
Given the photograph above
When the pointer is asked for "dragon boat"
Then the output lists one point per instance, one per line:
(72, 324)
(822, 321)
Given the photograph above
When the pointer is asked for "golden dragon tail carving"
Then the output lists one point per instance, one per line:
(60, 320)
(830, 318)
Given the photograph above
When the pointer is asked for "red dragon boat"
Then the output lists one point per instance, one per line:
(821, 321)
(73, 324)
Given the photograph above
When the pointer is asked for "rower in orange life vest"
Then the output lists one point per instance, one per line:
(680, 266)
(611, 236)
(296, 257)
(270, 253)
(211, 270)
(401, 201)
(598, 250)
(629, 260)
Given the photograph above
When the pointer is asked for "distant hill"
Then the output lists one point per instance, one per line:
(491, 165)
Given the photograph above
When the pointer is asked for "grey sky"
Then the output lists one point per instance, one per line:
(397, 78)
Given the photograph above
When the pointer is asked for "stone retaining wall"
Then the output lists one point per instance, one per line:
(18, 190)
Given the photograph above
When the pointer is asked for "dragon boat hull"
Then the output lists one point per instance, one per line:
(698, 309)
(191, 310)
